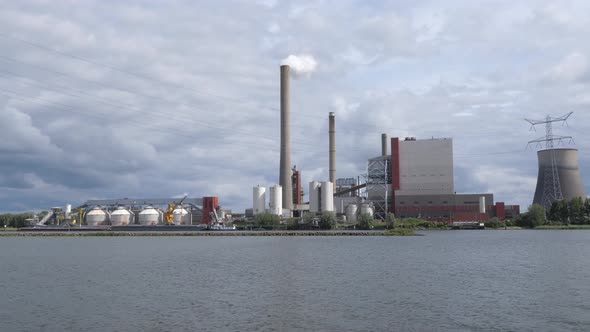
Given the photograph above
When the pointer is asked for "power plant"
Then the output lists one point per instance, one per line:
(415, 179)
(410, 178)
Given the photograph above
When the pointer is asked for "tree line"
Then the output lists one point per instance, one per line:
(565, 212)
(15, 220)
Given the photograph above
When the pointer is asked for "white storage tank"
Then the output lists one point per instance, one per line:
(351, 212)
(276, 200)
(366, 209)
(150, 216)
(327, 201)
(181, 216)
(122, 217)
(96, 216)
(314, 197)
(258, 200)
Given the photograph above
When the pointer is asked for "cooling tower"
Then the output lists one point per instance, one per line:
(285, 165)
(568, 173)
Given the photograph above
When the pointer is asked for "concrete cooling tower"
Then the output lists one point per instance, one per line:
(568, 179)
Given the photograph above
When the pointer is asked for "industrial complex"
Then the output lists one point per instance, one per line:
(412, 177)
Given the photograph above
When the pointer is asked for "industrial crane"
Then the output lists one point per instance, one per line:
(169, 214)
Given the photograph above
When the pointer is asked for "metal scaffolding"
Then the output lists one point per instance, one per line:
(378, 184)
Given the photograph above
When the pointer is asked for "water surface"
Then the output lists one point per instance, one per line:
(446, 280)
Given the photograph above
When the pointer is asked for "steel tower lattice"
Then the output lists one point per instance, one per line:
(552, 187)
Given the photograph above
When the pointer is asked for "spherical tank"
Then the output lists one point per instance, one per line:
(351, 212)
(96, 216)
(258, 200)
(149, 216)
(366, 209)
(181, 216)
(276, 200)
(314, 197)
(122, 217)
(327, 189)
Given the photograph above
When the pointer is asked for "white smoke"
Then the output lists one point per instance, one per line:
(301, 65)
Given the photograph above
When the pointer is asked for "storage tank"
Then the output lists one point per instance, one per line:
(97, 216)
(314, 197)
(122, 217)
(150, 216)
(327, 201)
(181, 216)
(351, 212)
(366, 209)
(258, 200)
(276, 200)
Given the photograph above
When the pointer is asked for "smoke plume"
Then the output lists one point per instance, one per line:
(301, 65)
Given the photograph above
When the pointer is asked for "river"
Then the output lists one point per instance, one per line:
(519, 280)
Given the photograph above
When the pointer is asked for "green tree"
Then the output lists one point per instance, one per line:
(494, 222)
(535, 216)
(587, 211)
(576, 210)
(364, 221)
(390, 221)
(267, 219)
(327, 220)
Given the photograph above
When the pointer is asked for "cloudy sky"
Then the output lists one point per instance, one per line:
(109, 99)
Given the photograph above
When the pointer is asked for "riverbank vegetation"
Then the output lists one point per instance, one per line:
(400, 232)
(15, 220)
(564, 214)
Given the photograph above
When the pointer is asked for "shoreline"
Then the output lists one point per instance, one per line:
(185, 233)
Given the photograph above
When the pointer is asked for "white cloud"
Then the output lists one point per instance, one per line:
(571, 68)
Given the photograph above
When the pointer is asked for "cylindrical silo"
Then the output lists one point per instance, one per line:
(122, 217)
(351, 212)
(96, 216)
(285, 161)
(276, 200)
(314, 197)
(567, 176)
(150, 216)
(327, 199)
(68, 211)
(258, 199)
(181, 216)
(482, 204)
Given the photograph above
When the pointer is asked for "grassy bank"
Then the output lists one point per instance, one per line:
(400, 232)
